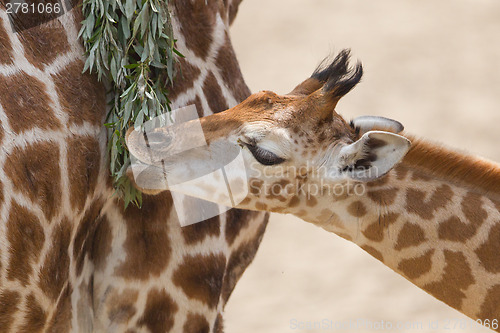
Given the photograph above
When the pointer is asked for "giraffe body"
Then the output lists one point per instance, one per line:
(433, 218)
(71, 259)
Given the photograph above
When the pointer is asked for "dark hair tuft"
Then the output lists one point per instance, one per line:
(336, 75)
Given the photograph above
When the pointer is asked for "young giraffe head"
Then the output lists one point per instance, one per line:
(294, 146)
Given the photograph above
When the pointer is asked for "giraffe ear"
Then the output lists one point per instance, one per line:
(373, 155)
(364, 124)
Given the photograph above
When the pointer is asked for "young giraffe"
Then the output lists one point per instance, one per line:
(71, 258)
(433, 218)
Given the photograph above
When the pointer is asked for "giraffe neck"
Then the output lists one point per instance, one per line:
(71, 260)
(149, 272)
(433, 219)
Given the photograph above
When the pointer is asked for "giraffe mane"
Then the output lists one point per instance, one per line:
(460, 168)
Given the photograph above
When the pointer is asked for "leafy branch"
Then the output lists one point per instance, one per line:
(130, 44)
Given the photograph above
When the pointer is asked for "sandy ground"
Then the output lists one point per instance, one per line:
(434, 66)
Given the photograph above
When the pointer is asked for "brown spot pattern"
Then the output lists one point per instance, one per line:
(81, 96)
(311, 202)
(201, 16)
(159, 313)
(101, 244)
(197, 232)
(379, 181)
(147, 244)
(35, 316)
(42, 44)
(454, 229)
(418, 175)
(472, 207)
(357, 209)
(229, 70)
(410, 235)
(219, 324)
(456, 279)
(186, 76)
(277, 189)
(26, 103)
(373, 252)
(233, 10)
(260, 206)
(294, 201)
(82, 244)
(488, 253)
(375, 230)
(401, 172)
(6, 57)
(237, 220)
(35, 172)
(196, 323)
(199, 107)
(9, 301)
(240, 259)
(490, 309)
(55, 270)
(121, 306)
(415, 267)
(200, 277)
(26, 238)
(83, 169)
(61, 318)
(384, 196)
(213, 92)
(255, 186)
(416, 203)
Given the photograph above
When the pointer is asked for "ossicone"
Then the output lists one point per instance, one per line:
(337, 76)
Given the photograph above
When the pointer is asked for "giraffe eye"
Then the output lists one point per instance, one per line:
(264, 156)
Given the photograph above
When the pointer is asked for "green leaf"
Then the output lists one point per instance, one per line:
(125, 27)
(138, 49)
(145, 54)
(153, 7)
(137, 23)
(144, 19)
(154, 24)
(127, 112)
(139, 120)
(157, 64)
(131, 66)
(115, 34)
(89, 24)
(113, 68)
(87, 65)
(108, 16)
(126, 92)
(178, 53)
(151, 45)
(129, 9)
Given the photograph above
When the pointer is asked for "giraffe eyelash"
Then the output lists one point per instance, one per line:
(264, 156)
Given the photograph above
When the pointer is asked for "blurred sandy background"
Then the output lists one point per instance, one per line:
(434, 66)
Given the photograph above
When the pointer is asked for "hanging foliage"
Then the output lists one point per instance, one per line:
(130, 44)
